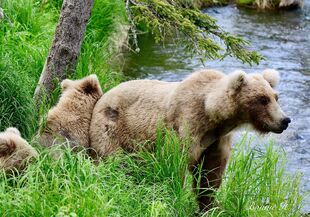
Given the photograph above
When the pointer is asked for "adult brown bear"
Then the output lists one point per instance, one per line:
(208, 104)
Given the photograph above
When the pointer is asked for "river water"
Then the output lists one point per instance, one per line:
(283, 37)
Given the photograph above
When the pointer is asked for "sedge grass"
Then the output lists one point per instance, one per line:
(256, 184)
(155, 183)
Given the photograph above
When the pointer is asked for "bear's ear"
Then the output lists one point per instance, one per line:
(272, 76)
(236, 80)
(91, 85)
(66, 83)
(13, 130)
(7, 147)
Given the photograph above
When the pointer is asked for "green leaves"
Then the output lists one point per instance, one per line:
(190, 27)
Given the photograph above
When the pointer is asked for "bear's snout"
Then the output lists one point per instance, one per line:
(285, 122)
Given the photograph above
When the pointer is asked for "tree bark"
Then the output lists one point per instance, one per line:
(66, 46)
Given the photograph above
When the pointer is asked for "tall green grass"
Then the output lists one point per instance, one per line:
(256, 184)
(142, 184)
(24, 47)
(147, 183)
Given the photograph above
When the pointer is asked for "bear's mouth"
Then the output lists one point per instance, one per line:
(262, 127)
(278, 131)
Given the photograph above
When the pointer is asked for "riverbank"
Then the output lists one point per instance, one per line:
(146, 184)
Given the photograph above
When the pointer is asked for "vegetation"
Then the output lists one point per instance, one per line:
(271, 4)
(23, 47)
(199, 32)
(149, 184)
(256, 184)
(262, 4)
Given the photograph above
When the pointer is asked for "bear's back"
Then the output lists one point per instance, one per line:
(138, 91)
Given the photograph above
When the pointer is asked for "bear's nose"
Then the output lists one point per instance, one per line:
(285, 123)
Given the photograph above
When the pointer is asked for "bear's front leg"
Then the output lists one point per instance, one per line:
(209, 170)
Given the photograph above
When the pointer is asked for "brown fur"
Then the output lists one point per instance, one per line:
(208, 105)
(70, 118)
(213, 160)
(14, 150)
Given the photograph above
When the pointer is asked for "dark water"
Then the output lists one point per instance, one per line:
(283, 37)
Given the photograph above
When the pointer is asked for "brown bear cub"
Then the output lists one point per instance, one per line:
(14, 150)
(70, 119)
(208, 105)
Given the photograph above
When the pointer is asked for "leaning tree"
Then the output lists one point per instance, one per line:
(66, 46)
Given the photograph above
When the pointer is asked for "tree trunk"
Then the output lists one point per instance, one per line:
(65, 49)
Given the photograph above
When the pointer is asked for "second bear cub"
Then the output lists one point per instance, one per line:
(70, 118)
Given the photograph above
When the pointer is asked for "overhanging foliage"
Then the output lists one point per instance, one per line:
(190, 27)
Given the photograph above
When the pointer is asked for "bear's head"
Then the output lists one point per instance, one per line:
(257, 101)
(14, 150)
(89, 86)
(70, 117)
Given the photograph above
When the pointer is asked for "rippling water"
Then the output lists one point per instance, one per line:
(283, 37)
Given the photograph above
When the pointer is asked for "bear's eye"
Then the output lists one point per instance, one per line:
(264, 100)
